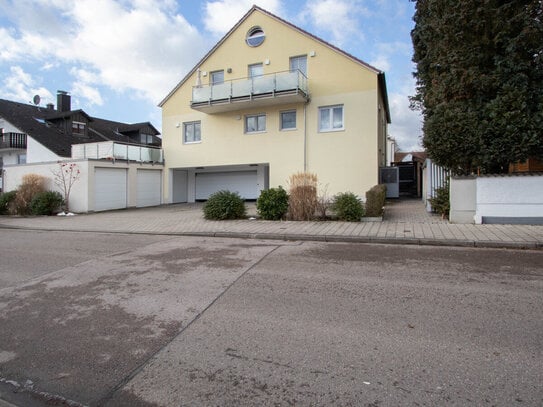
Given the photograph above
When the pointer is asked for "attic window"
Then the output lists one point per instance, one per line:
(78, 128)
(255, 37)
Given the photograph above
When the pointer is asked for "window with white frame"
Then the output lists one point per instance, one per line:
(288, 120)
(299, 64)
(78, 128)
(255, 123)
(192, 132)
(217, 77)
(255, 70)
(331, 118)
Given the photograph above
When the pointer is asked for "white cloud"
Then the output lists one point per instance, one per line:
(19, 85)
(406, 127)
(335, 17)
(143, 46)
(221, 15)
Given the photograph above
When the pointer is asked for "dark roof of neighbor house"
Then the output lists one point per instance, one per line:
(380, 74)
(42, 125)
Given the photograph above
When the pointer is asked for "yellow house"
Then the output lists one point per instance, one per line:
(270, 100)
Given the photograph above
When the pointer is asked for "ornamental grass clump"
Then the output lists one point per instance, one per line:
(348, 207)
(302, 196)
(272, 204)
(224, 205)
(32, 185)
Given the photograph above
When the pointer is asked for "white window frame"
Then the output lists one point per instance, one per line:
(80, 126)
(257, 115)
(212, 77)
(193, 123)
(281, 126)
(250, 68)
(330, 110)
(298, 58)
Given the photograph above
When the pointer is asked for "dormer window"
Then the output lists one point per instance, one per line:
(78, 129)
(146, 139)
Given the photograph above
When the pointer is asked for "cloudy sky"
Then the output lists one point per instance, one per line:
(120, 58)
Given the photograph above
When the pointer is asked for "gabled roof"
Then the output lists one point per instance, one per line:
(381, 75)
(38, 123)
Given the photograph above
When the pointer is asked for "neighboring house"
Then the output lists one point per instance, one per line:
(118, 161)
(270, 100)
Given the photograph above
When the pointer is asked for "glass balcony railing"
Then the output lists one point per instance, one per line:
(270, 85)
(116, 151)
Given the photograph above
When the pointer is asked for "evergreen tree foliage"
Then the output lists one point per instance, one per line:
(479, 72)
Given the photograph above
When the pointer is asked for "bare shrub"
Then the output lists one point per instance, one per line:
(302, 196)
(32, 185)
(324, 201)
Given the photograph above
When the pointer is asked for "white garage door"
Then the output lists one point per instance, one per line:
(242, 182)
(149, 188)
(109, 188)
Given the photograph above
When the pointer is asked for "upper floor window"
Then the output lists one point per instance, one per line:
(146, 139)
(331, 118)
(299, 63)
(192, 132)
(217, 77)
(78, 128)
(288, 120)
(255, 123)
(256, 70)
(21, 159)
(255, 37)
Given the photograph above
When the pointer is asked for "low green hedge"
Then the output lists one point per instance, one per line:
(348, 207)
(224, 205)
(46, 203)
(272, 204)
(5, 199)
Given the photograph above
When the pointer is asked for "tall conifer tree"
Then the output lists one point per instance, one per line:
(479, 72)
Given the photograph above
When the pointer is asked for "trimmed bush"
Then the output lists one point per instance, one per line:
(6, 199)
(272, 204)
(348, 207)
(46, 203)
(375, 200)
(32, 185)
(224, 205)
(303, 196)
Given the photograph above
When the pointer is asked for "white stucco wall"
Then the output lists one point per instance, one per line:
(509, 197)
(37, 153)
(463, 199)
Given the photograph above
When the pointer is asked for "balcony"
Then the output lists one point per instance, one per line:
(266, 90)
(108, 150)
(12, 141)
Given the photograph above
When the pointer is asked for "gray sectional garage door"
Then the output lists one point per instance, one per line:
(242, 182)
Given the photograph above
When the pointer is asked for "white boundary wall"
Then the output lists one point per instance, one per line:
(82, 195)
(497, 199)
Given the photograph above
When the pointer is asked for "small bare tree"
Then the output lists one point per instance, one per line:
(323, 202)
(65, 177)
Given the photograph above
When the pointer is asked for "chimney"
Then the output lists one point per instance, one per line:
(63, 101)
(50, 106)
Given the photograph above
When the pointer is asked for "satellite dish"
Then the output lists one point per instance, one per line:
(36, 100)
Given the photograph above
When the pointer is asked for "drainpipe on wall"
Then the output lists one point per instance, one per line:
(305, 137)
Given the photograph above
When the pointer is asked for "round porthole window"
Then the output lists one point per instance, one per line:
(255, 37)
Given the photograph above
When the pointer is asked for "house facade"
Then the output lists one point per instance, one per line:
(120, 164)
(270, 100)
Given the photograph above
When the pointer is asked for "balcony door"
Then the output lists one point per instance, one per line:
(299, 64)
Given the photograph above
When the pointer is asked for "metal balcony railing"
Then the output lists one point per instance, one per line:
(110, 150)
(275, 84)
(13, 141)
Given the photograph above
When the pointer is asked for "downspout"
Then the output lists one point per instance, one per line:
(305, 137)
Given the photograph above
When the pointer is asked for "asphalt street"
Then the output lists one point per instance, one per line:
(124, 320)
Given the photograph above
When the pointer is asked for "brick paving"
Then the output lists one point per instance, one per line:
(404, 222)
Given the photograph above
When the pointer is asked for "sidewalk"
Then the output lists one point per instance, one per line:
(405, 222)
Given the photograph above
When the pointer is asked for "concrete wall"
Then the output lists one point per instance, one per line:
(497, 199)
(82, 194)
(463, 197)
(37, 153)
